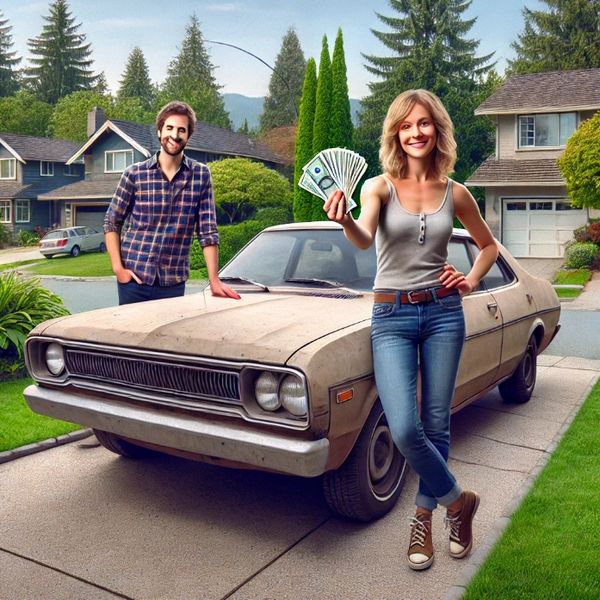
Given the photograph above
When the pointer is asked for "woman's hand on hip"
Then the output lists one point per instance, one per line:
(453, 279)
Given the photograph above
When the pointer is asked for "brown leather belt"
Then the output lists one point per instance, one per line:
(414, 296)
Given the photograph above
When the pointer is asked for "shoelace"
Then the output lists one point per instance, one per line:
(418, 532)
(454, 523)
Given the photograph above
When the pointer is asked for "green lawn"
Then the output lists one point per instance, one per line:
(22, 263)
(571, 277)
(93, 264)
(19, 425)
(550, 548)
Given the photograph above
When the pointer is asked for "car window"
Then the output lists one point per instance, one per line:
(458, 255)
(55, 235)
(89, 231)
(499, 275)
(72, 233)
(79, 230)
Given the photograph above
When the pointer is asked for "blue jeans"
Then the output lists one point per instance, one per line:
(131, 292)
(429, 336)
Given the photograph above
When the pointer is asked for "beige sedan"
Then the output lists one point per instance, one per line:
(281, 380)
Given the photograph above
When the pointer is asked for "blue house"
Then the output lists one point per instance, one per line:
(113, 145)
(30, 166)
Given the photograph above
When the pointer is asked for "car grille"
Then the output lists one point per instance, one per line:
(159, 377)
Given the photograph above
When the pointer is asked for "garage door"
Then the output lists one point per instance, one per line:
(540, 227)
(92, 216)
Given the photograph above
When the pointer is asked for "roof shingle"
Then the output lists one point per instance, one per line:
(29, 147)
(516, 172)
(80, 190)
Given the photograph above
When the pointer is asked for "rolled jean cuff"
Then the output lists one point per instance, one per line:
(451, 496)
(426, 502)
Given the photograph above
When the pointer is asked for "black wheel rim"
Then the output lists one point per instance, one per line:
(529, 367)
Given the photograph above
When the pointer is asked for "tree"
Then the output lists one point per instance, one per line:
(428, 50)
(243, 187)
(566, 36)
(341, 120)
(303, 200)
(61, 62)
(285, 86)
(580, 164)
(190, 78)
(8, 60)
(135, 82)
(321, 128)
(23, 113)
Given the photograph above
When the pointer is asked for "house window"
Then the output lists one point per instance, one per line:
(22, 211)
(546, 130)
(46, 168)
(7, 168)
(5, 211)
(70, 170)
(116, 161)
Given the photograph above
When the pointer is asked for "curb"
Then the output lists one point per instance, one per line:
(479, 556)
(74, 436)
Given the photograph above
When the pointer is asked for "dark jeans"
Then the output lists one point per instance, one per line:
(131, 292)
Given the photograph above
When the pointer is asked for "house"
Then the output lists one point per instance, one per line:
(113, 145)
(526, 203)
(30, 166)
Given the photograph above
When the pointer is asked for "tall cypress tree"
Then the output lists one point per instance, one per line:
(567, 36)
(8, 60)
(190, 77)
(61, 59)
(304, 200)
(341, 121)
(136, 81)
(321, 130)
(285, 86)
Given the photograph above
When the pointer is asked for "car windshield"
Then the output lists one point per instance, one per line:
(304, 258)
(55, 235)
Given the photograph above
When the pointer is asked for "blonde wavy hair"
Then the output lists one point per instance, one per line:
(392, 157)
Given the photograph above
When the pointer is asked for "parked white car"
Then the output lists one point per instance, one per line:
(71, 240)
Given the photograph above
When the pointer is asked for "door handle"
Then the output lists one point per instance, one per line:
(529, 297)
(493, 307)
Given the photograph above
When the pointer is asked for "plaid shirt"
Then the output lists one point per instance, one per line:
(162, 216)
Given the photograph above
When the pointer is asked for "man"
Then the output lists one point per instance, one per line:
(164, 200)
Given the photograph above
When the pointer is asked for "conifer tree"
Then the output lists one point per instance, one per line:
(566, 36)
(136, 82)
(61, 59)
(321, 131)
(341, 121)
(8, 60)
(285, 86)
(190, 78)
(303, 200)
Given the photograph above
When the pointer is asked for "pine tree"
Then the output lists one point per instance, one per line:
(285, 86)
(303, 200)
(136, 82)
(321, 131)
(8, 60)
(341, 121)
(244, 128)
(428, 50)
(61, 62)
(566, 36)
(190, 78)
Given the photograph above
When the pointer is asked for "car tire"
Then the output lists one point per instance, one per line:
(120, 446)
(102, 247)
(369, 483)
(47, 255)
(75, 251)
(519, 386)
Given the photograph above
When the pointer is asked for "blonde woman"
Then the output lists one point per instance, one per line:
(418, 320)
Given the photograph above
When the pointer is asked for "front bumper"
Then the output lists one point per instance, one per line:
(234, 442)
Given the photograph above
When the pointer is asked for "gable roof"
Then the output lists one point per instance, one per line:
(29, 147)
(512, 172)
(545, 92)
(206, 138)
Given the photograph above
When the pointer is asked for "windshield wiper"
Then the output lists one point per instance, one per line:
(262, 286)
(314, 281)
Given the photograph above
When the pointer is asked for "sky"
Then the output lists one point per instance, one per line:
(115, 27)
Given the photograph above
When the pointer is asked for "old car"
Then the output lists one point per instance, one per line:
(281, 380)
(71, 240)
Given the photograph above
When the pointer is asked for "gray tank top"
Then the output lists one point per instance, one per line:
(412, 249)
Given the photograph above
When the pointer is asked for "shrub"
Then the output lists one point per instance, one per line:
(4, 236)
(581, 234)
(594, 232)
(27, 238)
(581, 255)
(24, 303)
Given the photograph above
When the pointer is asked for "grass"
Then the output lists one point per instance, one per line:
(93, 264)
(19, 425)
(571, 277)
(22, 263)
(550, 548)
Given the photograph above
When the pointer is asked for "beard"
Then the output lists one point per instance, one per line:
(172, 151)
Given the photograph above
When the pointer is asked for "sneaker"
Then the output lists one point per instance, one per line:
(420, 552)
(461, 525)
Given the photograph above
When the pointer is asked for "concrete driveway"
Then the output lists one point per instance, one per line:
(79, 522)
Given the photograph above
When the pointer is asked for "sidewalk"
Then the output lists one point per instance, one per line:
(589, 299)
(12, 255)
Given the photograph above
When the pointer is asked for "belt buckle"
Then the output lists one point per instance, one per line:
(417, 296)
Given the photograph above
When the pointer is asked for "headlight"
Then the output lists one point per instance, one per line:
(293, 396)
(265, 390)
(55, 358)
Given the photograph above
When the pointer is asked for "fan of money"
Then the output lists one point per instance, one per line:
(333, 169)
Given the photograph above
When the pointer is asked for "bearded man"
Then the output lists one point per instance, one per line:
(164, 200)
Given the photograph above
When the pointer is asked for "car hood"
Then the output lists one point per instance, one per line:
(267, 327)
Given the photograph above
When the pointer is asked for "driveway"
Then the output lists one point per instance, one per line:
(79, 522)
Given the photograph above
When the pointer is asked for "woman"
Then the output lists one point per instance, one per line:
(418, 321)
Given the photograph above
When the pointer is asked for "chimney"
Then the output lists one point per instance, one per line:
(95, 119)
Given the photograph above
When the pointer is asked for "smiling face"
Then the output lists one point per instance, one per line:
(417, 133)
(174, 134)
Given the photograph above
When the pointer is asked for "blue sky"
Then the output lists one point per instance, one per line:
(114, 27)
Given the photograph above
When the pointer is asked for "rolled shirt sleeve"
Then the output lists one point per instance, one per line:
(121, 203)
(206, 225)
